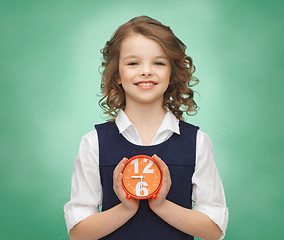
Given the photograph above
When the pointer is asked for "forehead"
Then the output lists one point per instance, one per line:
(139, 45)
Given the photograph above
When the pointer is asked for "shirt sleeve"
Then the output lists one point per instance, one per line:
(208, 192)
(86, 190)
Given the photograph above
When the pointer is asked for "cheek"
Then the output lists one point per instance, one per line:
(126, 75)
(166, 75)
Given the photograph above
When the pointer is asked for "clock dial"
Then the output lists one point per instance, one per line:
(141, 177)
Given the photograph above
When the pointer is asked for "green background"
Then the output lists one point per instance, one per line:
(50, 81)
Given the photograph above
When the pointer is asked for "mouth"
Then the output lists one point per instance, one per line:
(145, 84)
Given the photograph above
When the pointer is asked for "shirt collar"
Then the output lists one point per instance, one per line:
(170, 122)
(122, 121)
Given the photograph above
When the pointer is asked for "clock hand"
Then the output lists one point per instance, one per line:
(141, 177)
(137, 176)
(141, 183)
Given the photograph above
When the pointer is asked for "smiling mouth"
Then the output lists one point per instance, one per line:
(145, 84)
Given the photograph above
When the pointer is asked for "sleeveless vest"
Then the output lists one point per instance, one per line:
(178, 152)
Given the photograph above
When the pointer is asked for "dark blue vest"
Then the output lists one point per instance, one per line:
(178, 152)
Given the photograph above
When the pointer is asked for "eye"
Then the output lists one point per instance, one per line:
(132, 63)
(159, 64)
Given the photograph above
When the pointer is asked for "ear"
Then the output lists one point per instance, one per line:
(119, 81)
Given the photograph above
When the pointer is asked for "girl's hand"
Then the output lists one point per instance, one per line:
(129, 204)
(166, 185)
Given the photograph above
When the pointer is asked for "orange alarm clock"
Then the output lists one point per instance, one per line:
(142, 177)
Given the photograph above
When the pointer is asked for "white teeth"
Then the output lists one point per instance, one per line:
(145, 84)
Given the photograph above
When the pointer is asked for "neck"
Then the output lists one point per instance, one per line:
(145, 114)
(146, 118)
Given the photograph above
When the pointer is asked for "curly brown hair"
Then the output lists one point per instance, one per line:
(179, 95)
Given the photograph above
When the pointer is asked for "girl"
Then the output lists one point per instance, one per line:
(146, 86)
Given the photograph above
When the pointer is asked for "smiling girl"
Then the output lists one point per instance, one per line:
(146, 86)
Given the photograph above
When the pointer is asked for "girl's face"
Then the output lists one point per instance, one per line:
(144, 70)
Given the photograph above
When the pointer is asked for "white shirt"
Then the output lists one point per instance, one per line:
(86, 191)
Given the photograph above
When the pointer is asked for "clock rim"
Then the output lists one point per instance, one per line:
(150, 195)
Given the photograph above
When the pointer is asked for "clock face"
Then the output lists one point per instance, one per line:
(141, 177)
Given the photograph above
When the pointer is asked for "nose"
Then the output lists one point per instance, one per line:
(146, 70)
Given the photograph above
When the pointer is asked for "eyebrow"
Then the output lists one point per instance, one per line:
(134, 56)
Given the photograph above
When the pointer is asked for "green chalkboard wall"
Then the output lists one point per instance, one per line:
(49, 80)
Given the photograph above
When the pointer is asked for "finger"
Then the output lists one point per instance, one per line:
(124, 160)
(164, 168)
(117, 173)
(161, 163)
(122, 163)
(119, 178)
(118, 181)
(120, 166)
